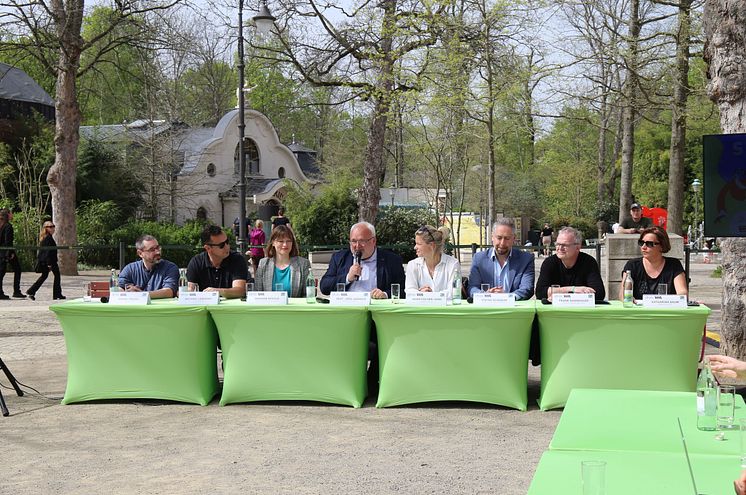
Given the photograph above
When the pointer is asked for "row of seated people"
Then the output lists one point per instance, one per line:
(366, 268)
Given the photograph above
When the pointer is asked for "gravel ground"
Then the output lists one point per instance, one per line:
(163, 447)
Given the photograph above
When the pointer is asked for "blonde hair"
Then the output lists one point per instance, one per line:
(259, 224)
(43, 231)
(437, 236)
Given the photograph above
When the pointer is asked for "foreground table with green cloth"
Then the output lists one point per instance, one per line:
(610, 346)
(296, 352)
(461, 352)
(158, 351)
(637, 420)
(637, 473)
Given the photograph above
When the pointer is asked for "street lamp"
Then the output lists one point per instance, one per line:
(696, 185)
(263, 21)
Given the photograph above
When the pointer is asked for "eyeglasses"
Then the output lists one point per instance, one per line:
(49, 226)
(500, 238)
(424, 230)
(649, 244)
(283, 241)
(151, 250)
(565, 246)
(219, 245)
(361, 242)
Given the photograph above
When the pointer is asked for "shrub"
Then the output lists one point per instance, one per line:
(396, 226)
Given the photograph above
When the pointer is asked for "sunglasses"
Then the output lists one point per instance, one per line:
(424, 230)
(219, 245)
(649, 244)
(49, 226)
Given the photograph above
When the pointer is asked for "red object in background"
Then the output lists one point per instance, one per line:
(659, 216)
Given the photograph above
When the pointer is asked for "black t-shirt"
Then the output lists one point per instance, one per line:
(280, 221)
(643, 284)
(584, 272)
(201, 271)
(644, 223)
(546, 231)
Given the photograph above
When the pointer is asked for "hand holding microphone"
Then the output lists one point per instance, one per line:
(356, 269)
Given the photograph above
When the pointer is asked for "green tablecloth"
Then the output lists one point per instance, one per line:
(636, 473)
(635, 420)
(296, 352)
(158, 351)
(453, 353)
(610, 346)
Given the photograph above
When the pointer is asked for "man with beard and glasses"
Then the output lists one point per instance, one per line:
(157, 276)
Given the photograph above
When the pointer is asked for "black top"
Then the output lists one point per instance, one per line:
(585, 272)
(643, 284)
(280, 221)
(201, 271)
(6, 240)
(546, 231)
(47, 256)
(644, 223)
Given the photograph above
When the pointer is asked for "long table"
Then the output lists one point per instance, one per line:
(610, 346)
(158, 351)
(296, 352)
(637, 434)
(458, 352)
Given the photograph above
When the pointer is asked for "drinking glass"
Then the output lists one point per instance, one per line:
(553, 289)
(341, 287)
(594, 477)
(278, 288)
(395, 293)
(87, 292)
(249, 288)
(485, 287)
(662, 289)
(726, 407)
(193, 287)
(742, 425)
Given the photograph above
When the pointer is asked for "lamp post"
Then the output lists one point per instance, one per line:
(263, 21)
(696, 185)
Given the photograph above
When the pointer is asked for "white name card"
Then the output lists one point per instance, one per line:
(129, 298)
(667, 301)
(199, 298)
(427, 298)
(271, 298)
(494, 299)
(574, 300)
(349, 298)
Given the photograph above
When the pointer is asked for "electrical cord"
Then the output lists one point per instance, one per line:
(28, 387)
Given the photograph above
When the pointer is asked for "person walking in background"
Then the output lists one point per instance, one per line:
(257, 238)
(8, 257)
(546, 239)
(46, 261)
(281, 219)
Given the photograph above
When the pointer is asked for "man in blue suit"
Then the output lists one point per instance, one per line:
(505, 269)
(374, 271)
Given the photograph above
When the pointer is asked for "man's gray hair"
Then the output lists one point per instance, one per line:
(506, 221)
(140, 242)
(573, 232)
(368, 225)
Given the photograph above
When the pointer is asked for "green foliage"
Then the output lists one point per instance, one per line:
(26, 226)
(717, 272)
(167, 235)
(396, 227)
(95, 220)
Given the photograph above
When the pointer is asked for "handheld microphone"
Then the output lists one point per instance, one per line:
(358, 257)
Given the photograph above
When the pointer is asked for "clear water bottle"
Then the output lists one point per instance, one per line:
(183, 283)
(706, 399)
(310, 288)
(114, 281)
(628, 286)
(456, 287)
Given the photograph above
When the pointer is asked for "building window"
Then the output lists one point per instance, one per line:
(201, 213)
(281, 172)
(211, 169)
(252, 158)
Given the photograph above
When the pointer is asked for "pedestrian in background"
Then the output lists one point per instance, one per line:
(46, 261)
(8, 257)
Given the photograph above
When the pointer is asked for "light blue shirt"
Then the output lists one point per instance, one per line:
(282, 276)
(501, 272)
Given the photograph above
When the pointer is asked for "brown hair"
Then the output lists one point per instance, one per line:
(661, 235)
(278, 233)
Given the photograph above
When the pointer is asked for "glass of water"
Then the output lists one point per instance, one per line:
(278, 288)
(742, 427)
(726, 407)
(341, 287)
(485, 287)
(395, 288)
(662, 289)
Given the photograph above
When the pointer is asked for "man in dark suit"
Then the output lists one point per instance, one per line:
(374, 271)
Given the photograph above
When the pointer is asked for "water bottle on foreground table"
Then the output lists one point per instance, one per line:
(628, 285)
(183, 283)
(706, 399)
(456, 290)
(114, 281)
(310, 288)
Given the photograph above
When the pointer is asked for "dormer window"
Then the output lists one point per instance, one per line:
(252, 158)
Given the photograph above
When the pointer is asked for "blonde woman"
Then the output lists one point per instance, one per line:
(46, 262)
(432, 270)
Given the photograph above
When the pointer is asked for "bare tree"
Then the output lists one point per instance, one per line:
(725, 54)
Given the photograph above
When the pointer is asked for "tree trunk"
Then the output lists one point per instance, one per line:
(676, 165)
(725, 54)
(630, 111)
(61, 176)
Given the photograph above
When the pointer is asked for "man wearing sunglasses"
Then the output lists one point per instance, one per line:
(636, 223)
(363, 267)
(571, 269)
(217, 269)
(153, 274)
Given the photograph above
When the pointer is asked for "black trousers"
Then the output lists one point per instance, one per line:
(56, 285)
(12, 263)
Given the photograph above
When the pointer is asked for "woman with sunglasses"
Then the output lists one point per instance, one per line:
(46, 261)
(432, 270)
(654, 270)
(283, 266)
